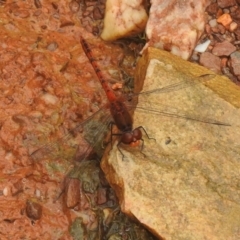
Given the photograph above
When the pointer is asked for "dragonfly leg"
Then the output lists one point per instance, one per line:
(141, 127)
(120, 150)
(113, 134)
(142, 146)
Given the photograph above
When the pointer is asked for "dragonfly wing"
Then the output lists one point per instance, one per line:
(169, 111)
(66, 147)
(176, 113)
(181, 85)
(95, 139)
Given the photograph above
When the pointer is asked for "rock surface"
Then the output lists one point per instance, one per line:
(123, 18)
(175, 25)
(186, 187)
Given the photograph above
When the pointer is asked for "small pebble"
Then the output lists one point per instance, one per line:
(203, 46)
(224, 48)
(234, 62)
(49, 98)
(52, 46)
(97, 14)
(212, 8)
(213, 23)
(21, 13)
(72, 193)
(38, 193)
(233, 26)
(224, 62)
(6, 191)
(74, 6)
(33, 210)
(102, 195)
(210, 61)
(224, 19)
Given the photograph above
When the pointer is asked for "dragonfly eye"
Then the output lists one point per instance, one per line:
(137, 134)
(127, 138)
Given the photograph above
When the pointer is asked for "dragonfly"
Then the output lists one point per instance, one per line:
(120, 107)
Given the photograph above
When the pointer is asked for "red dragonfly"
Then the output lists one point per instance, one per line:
(120, 114)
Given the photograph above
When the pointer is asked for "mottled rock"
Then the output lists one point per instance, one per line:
(234, 62)
(187, 184)
(169, 29)
(123, 18)
(224, 48)
(210, 61)
(226, 3)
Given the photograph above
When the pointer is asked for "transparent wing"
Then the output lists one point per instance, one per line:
(88, 135)
(181, 85)
(170, 111)
(174, 113)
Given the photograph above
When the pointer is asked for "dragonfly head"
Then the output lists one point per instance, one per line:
(132, 137)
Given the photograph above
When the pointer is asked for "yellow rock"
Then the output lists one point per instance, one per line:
(123, 18)
(187, 184)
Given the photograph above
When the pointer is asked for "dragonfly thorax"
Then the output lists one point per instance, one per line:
(121, 116)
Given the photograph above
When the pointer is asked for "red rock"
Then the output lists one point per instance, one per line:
(234, 63)
(102, 195)
(210, 61)
(224, 62)
(236, 15)
(233, 9)
(221, 28)
(226, 3)
(237, 34)
(208, 29)
(224, 48)
(219, 12)
(72, 193)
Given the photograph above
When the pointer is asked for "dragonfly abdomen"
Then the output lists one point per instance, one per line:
(109, 92)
